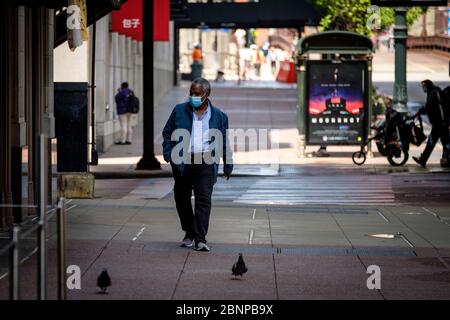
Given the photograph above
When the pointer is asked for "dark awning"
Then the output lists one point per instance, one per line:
(262, 14)
(42, 3)
(102, 7)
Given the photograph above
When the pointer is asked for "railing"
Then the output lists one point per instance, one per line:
(13, 249)
(437, 42)
(39, 225)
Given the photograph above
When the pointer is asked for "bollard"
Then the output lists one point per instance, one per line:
(14, 265)
(41, 294)
(43, 180)
(61, 217)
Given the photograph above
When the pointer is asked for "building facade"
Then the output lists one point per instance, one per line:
(30, 64)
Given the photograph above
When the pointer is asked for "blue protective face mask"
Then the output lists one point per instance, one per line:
(196, 102)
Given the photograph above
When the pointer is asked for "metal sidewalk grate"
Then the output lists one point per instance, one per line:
(381, 252)
(330, 251)
(315, 251)
(303, 210)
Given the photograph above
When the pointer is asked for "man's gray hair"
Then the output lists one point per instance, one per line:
(206, 86)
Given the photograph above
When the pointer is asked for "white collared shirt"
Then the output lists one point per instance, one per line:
(200, 132)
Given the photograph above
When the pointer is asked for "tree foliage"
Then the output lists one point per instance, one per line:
(353, 15)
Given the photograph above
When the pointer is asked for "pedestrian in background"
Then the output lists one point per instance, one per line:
(258, 60)
(436, 108)
(126, 129)
(273, 60)
(197, 64)
(197, 55)
(197, 116)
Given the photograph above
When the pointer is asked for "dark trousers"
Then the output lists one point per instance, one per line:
(437, 132)
(200, 178)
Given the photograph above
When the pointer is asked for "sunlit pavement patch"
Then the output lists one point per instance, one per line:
(382, 236)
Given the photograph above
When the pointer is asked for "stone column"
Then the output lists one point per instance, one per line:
(8, 55)
(137, 76)
(18, 113)
(122, 59)
(116, 75)
(126, 62)
(104, 130)
(48, 117)
(18, 125)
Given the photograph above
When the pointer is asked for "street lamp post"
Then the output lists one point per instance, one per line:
(148, 160)
(400, 98)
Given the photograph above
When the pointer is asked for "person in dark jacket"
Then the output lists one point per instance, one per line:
(195, 138)
(435, 109)
(126, 128)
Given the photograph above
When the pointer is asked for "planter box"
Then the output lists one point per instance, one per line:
(76, 185)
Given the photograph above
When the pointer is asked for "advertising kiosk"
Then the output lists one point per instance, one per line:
(334, 72)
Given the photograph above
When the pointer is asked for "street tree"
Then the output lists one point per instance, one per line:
(353, 15)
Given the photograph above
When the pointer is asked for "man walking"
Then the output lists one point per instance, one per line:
(201, 130)
(436, 109)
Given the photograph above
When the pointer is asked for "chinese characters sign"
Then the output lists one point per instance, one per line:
(131, 23)
(128, 20)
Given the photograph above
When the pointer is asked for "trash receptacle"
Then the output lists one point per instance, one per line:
(71, 113)
(197, 70)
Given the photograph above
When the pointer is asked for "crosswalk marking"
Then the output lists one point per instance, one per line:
(350, 190)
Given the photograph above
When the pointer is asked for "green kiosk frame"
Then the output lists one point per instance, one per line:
(334, 72)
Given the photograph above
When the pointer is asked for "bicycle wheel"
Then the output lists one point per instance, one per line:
(397, 157)
(359, 157)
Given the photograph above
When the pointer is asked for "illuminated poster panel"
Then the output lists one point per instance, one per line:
(336, 102)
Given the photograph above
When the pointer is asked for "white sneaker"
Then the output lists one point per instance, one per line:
(201, 246)
(187, 243)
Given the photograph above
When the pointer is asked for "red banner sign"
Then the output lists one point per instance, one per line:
(128, 20)
(161, 20)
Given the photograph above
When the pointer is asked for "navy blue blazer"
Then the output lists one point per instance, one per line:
(181, 118)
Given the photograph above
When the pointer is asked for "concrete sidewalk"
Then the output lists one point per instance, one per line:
(295, 253)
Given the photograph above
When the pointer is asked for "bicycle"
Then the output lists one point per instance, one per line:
(398, 136)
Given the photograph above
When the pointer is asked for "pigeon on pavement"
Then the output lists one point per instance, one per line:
(103, 281)
(239, 268)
